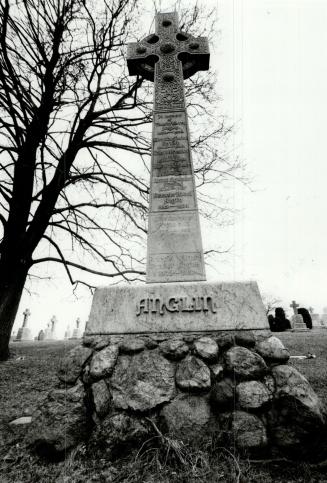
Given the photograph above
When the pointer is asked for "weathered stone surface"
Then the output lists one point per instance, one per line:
(245, 338)
(101, 398)
(217, 371)
(206, 348)
(103, 362)
(150, 343)
(101, 343)
(72, 364)
(252, 394)
(131, 345)
(248, 431)
(272, 349)
(244, 364)
(270, 384)
(225, 340)
(186, 417)
(118, 433)
(205, 306)
(222, 395)
(142, 381)
(193, 374)
(298, 417)
(60, 423)
(174, 349)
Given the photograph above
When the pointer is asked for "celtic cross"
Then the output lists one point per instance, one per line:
(26, 314)
(174, 251)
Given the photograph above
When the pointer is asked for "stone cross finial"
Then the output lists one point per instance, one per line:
(78, 321)
(26, 314)
(174, 240)
(53, 321)
(294, 306)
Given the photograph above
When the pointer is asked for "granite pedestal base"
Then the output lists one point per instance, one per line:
(177, 307)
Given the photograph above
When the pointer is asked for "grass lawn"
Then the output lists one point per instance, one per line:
(27, 377)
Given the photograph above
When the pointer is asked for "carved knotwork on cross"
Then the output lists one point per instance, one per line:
(167, 57)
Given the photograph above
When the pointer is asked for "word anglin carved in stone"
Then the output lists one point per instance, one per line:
(173, 304)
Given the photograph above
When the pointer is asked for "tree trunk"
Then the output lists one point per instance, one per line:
(12, 281)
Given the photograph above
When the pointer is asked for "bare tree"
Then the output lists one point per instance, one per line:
(75, 143)
(270, 302)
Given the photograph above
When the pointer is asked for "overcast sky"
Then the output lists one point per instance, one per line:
(271, 60)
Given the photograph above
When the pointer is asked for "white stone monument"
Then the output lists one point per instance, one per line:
(24, 333)
(316, 320)
(77, 332)
(297, 319)
(174, 249)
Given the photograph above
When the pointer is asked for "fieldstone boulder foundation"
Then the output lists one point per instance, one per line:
(190, 386)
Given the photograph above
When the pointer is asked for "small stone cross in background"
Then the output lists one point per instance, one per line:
(26, 314)
(294, 306)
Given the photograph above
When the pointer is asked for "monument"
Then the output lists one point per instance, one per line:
(54, 335)
(77, 332)
(67, 332)
(316, 320)
(297, 319)
(176, 297)
(47, 332)
(24, 333)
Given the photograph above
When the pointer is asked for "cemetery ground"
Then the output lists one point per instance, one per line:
(28, 375)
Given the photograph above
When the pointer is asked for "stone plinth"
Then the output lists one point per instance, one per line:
(24, 333)
(297, 323)
(178, 307)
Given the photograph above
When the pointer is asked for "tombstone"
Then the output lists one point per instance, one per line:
(67, 332)
(24, 333)
(316, 319)
(323, 318)
(77, 332)
(297, 319)
(48, 332)
(174, 246)
(41, 335)
(54, 322)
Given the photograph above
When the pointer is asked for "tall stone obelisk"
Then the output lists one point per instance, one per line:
(174, 250)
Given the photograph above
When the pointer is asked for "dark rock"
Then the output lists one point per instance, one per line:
(222, 395)
(60, 423)
(273, 350)
(72, 364)
(225, 341)
(150, 343)
(245, 338)
(101, 398)
(245, 364)
(270, 384)
(252, 394)
(217, 371)
(101, 343)
(131, 345)
(298, 417)
(248, 431)
(186, 417)
(119, 433)
(174, 349)
(142, 381)
(193, 375)
(206, 348)
(189, 338)
(103, 362)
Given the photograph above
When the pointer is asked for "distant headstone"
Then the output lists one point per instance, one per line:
(41, 335)
(47, 332)
(24, 333)
(67, 332)
(54, 322)
(323, 318)
(297, 319)
(77, 332)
